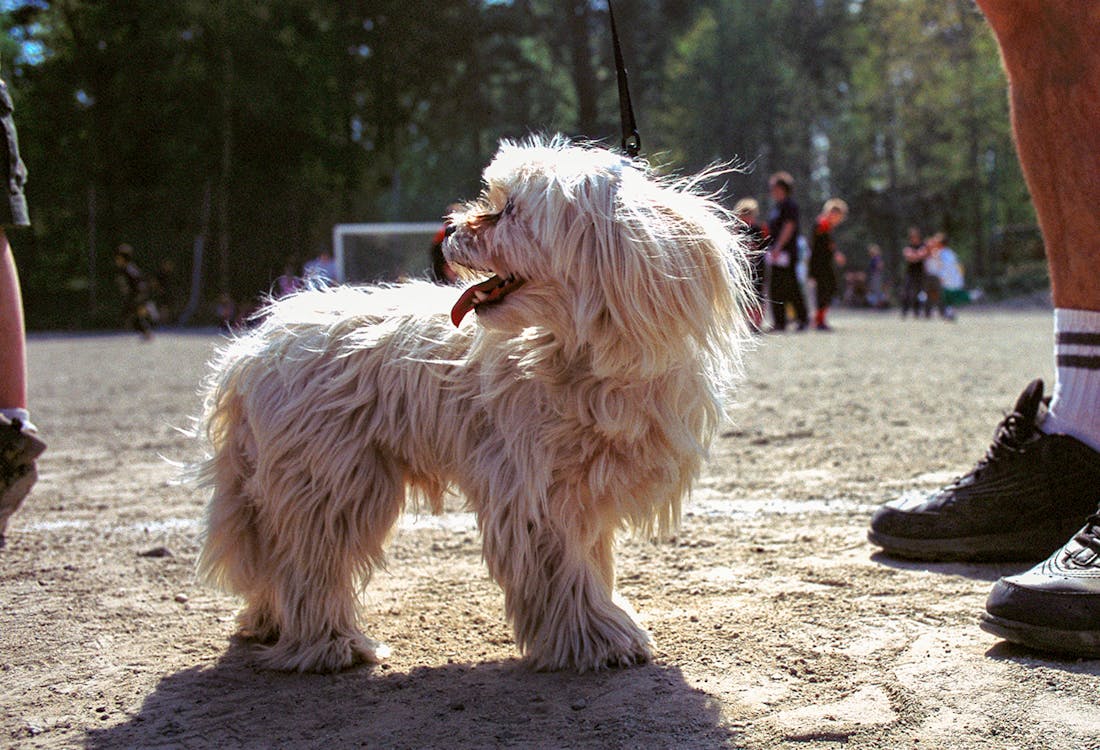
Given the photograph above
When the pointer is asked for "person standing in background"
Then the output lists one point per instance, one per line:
(913, 255)
(876, 282)
(748, 211)
(782, 255)
(824, 258)
(951, 277)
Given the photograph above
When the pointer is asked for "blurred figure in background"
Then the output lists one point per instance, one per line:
(748, 211)
(876, 281)
(442, 273)
(165, 293)
(225, 309)
(913, 255)
(824, 258)
(138, 309)
(933, 287)
(782, 257)
(320, 271)
(951, 277)
(940, 263)
(288, 282)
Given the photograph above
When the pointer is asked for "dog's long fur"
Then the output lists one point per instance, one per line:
(581, 403)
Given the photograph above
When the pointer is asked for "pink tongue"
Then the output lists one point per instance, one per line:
(467, 301)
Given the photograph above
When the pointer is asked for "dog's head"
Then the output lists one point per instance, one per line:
(637, 273)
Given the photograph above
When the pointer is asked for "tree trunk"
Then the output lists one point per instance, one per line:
(584, 77)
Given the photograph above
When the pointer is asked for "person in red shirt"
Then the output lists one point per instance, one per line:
(824, 258)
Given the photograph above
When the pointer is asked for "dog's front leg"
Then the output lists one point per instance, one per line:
(558, 582)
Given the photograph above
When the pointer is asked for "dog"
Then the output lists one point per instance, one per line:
(570, 395)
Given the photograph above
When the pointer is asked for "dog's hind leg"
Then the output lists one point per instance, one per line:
(232, 555)
(324, 542)
(559, 594)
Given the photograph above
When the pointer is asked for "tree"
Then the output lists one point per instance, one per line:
(252, 127)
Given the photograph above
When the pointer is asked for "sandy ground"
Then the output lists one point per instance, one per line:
(776, 623)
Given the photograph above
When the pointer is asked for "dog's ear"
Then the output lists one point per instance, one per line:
(664, 289)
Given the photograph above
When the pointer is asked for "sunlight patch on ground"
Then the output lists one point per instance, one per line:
(704, 504)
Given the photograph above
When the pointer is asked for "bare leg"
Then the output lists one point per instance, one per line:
(18, 447)
(1049, 53)
(1048, 483)
(13, 349)
(1048, 48)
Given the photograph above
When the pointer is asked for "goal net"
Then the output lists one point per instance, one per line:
(383, 251)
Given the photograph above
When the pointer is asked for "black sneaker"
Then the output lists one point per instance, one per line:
(1055, 606)
(1028, 494)
(18, 450)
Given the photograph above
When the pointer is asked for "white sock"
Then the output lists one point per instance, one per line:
(1075, 407)
(22, 415)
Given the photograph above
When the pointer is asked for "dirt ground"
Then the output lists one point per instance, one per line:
(776, 623)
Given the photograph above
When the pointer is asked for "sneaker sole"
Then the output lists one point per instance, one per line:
(1029, 545)
(1075, 643)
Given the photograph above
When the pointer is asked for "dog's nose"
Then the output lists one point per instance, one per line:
(451, 228)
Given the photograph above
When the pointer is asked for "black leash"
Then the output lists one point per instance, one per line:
(632, 142)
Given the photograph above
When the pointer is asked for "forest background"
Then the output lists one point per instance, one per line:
(250, 127)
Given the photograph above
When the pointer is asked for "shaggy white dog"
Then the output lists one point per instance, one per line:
(578, 400)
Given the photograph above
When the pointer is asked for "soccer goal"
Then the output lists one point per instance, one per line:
(383, 251)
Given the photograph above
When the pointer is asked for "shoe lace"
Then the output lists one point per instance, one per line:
(1010, 439)
(1090, 535)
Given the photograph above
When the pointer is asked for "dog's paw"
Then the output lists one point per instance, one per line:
(332, 655)
(638, 653)
(602, 645)
(257, 624)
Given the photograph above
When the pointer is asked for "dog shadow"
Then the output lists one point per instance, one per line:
(493, 704)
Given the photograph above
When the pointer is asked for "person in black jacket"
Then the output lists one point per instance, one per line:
(782, 255)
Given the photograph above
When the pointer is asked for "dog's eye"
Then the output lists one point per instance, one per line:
(509, 206)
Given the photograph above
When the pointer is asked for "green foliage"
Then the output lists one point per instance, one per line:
(251, 127)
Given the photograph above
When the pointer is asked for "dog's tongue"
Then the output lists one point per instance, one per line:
(475, 295)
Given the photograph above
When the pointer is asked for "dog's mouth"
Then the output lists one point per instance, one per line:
(489, 292)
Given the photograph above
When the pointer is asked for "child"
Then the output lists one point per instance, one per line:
(824, 258)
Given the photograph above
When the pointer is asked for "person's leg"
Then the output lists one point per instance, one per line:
(935, 297)
(13, 353)
(1048, 49)
(910, 296)
(19, 445)
(778, 294)
(799, 302)
(826, 292)
(1049, 53)
(1040, 473)
(1052, 472)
